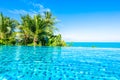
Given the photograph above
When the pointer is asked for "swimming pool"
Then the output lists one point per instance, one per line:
(56, 63)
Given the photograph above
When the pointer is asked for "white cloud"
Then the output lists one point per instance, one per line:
(47, 9)
(15, 11)
(38, 9)
(37, 5)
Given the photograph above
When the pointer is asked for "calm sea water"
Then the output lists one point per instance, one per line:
(59, 63)
(96, 44)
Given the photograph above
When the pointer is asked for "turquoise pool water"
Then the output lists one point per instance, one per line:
(55, 63)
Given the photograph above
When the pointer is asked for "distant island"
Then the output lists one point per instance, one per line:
(37, 30)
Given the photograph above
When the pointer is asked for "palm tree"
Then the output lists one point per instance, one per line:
(2, 29)
(56, 40)
(47, 28)
(26, 28)
(40, 28)
(7, 26)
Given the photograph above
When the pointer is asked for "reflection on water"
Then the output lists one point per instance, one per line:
(18, 49)
(32, 54)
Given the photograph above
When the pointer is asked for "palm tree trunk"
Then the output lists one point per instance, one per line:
(35, 40)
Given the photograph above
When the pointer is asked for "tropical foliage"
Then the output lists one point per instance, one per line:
(37, 30)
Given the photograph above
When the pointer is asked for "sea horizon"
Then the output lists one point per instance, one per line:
(95, 44)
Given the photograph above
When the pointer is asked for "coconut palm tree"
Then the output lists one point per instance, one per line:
(7, 27)
(36, 30)
(47, 28)
(26, 29)
(2, 28)
(40, 28)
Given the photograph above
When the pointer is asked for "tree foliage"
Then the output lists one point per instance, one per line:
(34, 30)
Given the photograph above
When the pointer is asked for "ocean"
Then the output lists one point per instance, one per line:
(95, 44)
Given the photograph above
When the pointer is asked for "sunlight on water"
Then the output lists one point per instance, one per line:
(59, 63)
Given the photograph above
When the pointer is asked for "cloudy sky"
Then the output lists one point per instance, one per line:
(79, 20)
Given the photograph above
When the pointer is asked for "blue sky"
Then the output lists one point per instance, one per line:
(80, 20)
